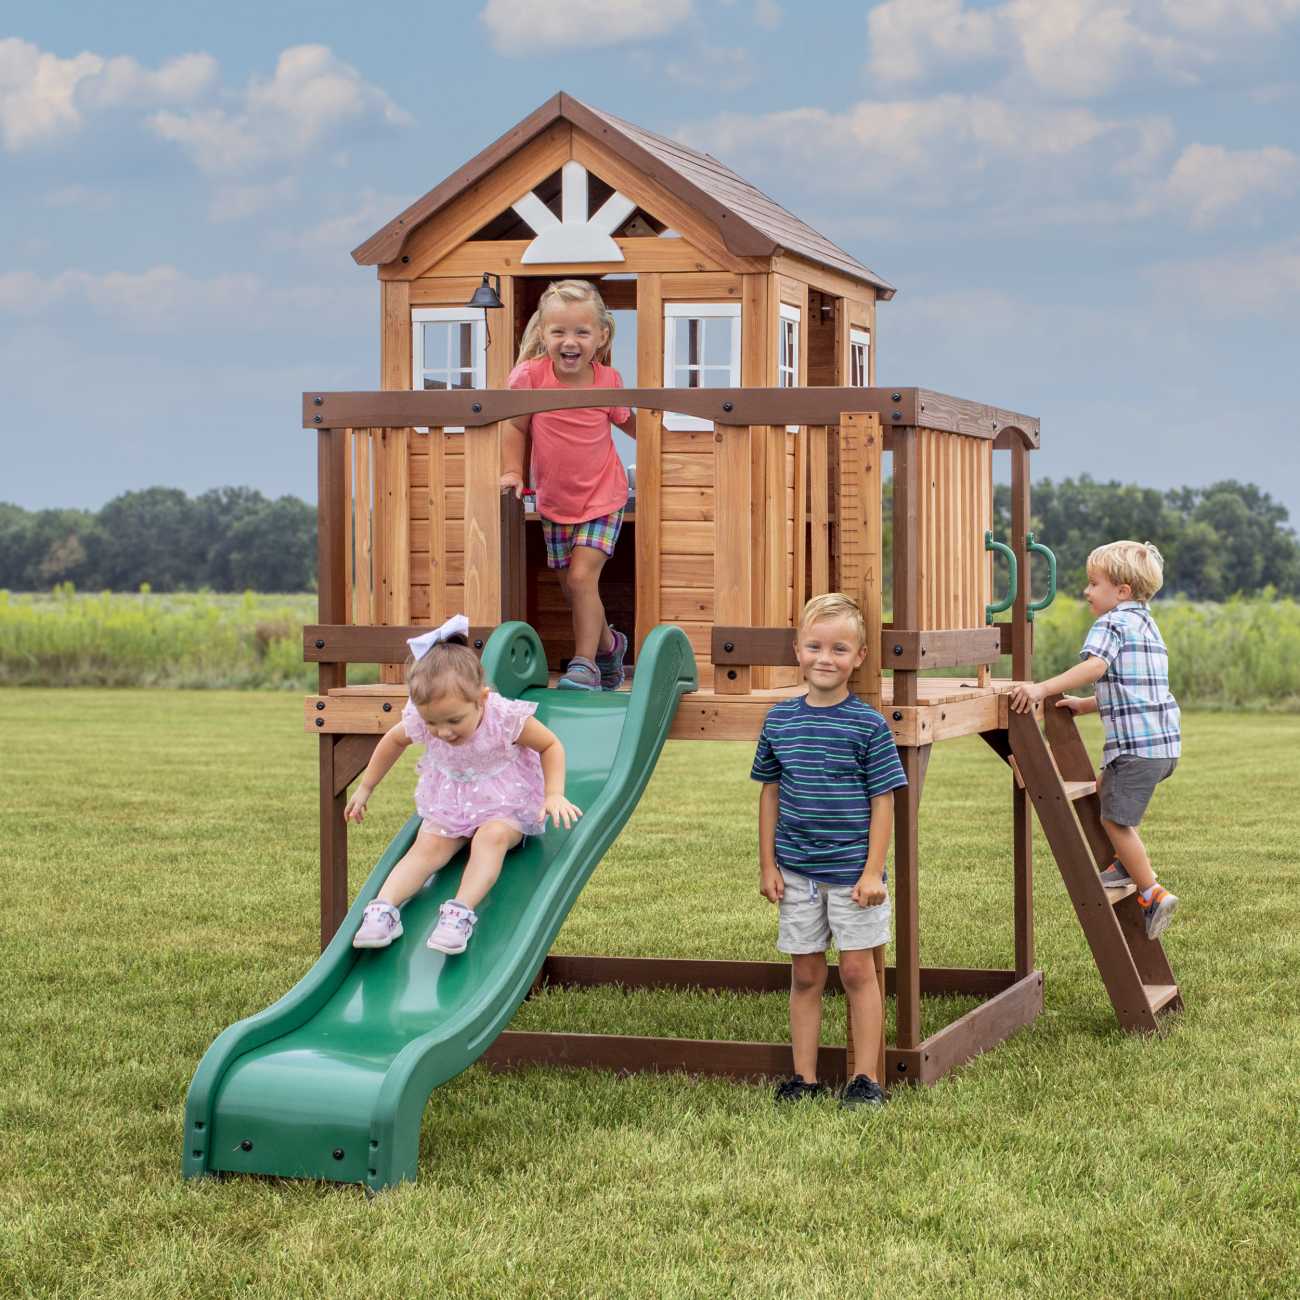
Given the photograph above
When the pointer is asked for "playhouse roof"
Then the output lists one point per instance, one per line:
(751, 224)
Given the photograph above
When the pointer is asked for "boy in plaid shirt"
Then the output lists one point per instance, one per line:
(1126, 658)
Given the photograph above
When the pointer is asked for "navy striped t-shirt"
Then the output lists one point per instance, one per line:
(830, 763)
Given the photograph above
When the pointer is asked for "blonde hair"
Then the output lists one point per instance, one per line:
(1137, 564)
(835, 605)
(567, 291)
(448, 666)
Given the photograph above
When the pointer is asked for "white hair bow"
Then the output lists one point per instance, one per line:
(456, 625)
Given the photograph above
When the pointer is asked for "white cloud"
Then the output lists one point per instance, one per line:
(43, 96)
(236, 202)
(1068, 48)
(163, 297)
(717, 67)
(311, 97)
(973, 158)
(335, 236)
(1263, 282)
(767, 14)
(1209, 182)
(523, 27)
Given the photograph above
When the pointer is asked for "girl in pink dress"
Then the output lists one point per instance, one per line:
(490, 774)
(580, 482)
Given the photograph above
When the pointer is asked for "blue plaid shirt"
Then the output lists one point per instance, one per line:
(1137, 710)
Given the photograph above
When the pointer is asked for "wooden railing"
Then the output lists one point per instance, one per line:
(412, 525)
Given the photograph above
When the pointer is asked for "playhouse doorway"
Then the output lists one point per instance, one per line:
(545, 606)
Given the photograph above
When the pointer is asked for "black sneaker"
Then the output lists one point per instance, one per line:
(796, 1089)
(861, 1091)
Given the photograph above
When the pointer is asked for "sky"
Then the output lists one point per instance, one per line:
(1089, 207)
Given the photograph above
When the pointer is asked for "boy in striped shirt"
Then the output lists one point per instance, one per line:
(829, 769)
(1125, 656)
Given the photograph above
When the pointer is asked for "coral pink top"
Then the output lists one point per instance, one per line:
(575, 469)
(486, 777)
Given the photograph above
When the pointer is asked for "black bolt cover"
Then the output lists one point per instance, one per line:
(898, 649)
(246, 1145)
(728, 646)
(338, 1153)
(320, 645)
(727, 406)
(388, 708)
(898, 717)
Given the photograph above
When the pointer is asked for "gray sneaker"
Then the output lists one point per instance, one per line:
(1115, 877)
(1159, 911)
(580, 675)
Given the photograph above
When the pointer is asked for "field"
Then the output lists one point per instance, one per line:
(1241, 654)
(158, 851)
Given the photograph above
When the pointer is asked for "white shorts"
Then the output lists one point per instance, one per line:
(810, 915)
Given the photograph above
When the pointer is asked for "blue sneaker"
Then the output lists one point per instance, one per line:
(611, 664)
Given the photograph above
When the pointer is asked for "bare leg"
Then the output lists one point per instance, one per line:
(428, 854)
(581, 581)
(807, 982)
(1130, 850)
(858, 975)
(487, 850)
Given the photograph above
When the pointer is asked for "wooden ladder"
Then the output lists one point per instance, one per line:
(1058, 776)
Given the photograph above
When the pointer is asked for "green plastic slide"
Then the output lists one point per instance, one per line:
(331, 1081)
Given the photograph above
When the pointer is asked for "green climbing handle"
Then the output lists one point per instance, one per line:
(1013, 577)
(1035, 605)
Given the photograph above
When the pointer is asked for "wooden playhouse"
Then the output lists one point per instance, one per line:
(760, 468)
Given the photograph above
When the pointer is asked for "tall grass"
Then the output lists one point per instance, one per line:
(1243, 653)
(197, 640)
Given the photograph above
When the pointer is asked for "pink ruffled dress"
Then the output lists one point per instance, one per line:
(487, 777)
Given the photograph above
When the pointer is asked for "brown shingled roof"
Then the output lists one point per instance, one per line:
(751, 224)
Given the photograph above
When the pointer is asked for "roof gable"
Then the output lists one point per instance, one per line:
(749, 223)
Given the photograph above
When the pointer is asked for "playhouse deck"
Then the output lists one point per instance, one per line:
(946, 707)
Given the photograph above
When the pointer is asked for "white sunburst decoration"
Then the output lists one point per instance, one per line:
(575, 236)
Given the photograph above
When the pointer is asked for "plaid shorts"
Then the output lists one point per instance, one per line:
(599, 533)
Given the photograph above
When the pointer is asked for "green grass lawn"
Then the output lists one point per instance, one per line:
(158, 853)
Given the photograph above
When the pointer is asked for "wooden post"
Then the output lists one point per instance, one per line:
(733, 547)
(649, 451)
(1022, 656)
(331, 589)
(1022, 668)
(363, 507)
(483, 525)
(906, 547)
(437, 494)
(860, 536)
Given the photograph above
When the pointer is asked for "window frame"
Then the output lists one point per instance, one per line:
(675, 311)
(790, 315)
(473, 316)
(860, 336)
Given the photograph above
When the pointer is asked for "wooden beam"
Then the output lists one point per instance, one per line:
(734, 544)
(338, 643)
(752, 404)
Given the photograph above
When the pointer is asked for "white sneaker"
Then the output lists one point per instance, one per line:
(455, 928)
(381, 923)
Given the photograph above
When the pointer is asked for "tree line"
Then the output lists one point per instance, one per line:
(1223, 540)
(1217, 541)
(228, 539)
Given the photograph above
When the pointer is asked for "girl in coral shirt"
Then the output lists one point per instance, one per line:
(580, 482)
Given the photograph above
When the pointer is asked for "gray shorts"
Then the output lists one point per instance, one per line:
(811, 914)
(1127, 783)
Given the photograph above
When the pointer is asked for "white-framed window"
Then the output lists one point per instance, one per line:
(859, 358)
(701, 350)
(448, 350)
(787, 348)
(787, 352)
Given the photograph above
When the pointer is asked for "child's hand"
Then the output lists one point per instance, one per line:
(1024, 695)
(356, 809)
(771, 884)
(1074, 703)
(869, 891)
(560, 811)
(512, 482)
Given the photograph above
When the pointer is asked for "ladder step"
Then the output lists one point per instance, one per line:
(1078, 789)
(1160, 995)
(1116, 892)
